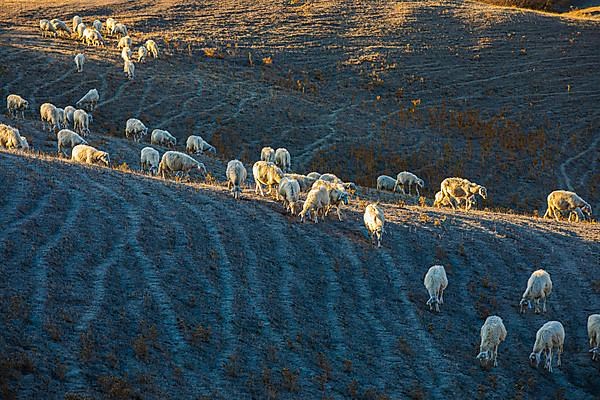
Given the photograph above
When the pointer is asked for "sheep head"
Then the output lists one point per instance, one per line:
(595, 352)
(104, 158)
(421, 182)
(484, 357)
(587, 209)
(482, 191)
(534, 359)
(202, 169)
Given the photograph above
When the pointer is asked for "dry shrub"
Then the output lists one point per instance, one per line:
(267, 60)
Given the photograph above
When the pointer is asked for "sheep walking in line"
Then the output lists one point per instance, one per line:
(89, 101)
(374, 220)
(14, 104)
(196, 145)
(561, 201)
(135, 129)
(79, 61)
(435, 282)
(266, 173)
(304, 181)
(385, 182)
(493, 332)
(539, 287)
(142, 53)
(593, 328)
(551, 336)
(10, 138)
(76, 21)
(316, 202)
(68, 139)
(152, 48)
(81, 121)
(129, 69)
(69, 113)
(149, 160)
(283, 159)
(267, 154)
(163, 138)
(50, 115)
(180, 164)
(289, 192)
(236, 175)
(459, 189)
(47, 28)
(410, 179)
(89, 155)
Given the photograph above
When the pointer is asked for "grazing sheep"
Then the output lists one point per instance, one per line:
(550, 336)
(89, 155)
(410, 179)
(47, 28)
(81, 121)
(15, 103)
(289, 191)
(267, 154)
(180, 163)
(149, 160)
(266, 173)
(337, 195)
(110, 25)
(457, 189)
(444, 201)
(374, 221)
(539, 286)
(49, 114)
(97, 39)
(68, 139)
(304, 181)
(79, 61)
(436, 282)
(89, 101)
(196, 145)
(126, 53)
(385, 182)
(317, 201)
(283, 159)
(493, 332)
(80, 30)
(236, 175)
(141, 54)
(152, 48)
(91, 36)
(69, 112)
(10, 137)
(129, 69)
(560, 201)
(163, 138)
(60, 26)
(76, 21)
(97, 24)
(119, 29)
(135, 129)
(314, 175)
(593, 328)
(125, 41)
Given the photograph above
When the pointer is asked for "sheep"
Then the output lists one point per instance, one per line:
(135, 129)
(119, 29)
(129, 69)
(110, 25)
(593, 328)
(47, 28)
(283, 159)
(81, 121)
(267, 154)
(69, 112)
(435, 282)
(443, 201)
(236, 175)
(385, 182)
(374, 221)
(337, 195)
(164, 138)
(61, 117)
(266, 173)
(180, 163)
(60, 26)
(80, 30)
(314, 175)
(331, 178)
(76, 21)
(89, 101)
(95, 38)
(10, 137)
(196, 145)
(458, 188)
(563, 200)
(97, 24)
(125, 41)
(149, 160)
(550, 336)
(304, 181)
(152, 48)
(289, 191)
(539, 286)
(410, 179)
(79, 61)
(49, 114)
(67, 138)
(126, 53)
(15, 103)
(493, 332)
(86, 154)
(141, 54)
(317, 201)
(24, 143)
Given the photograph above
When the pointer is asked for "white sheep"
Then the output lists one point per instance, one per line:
(142, 53)
(314, 175)
(435, 282)
(49, 114)
(560, 201)
(47, 28)
(126, 53)
(316, 202)
(125, 41)
(80, 30)
(550, 336)
(266, 173)
(267, 154)
(410, 179)
(81, 121)
(593, 328)
(76, 21)
(283, 159)
(180, 163)
(97, 24)
(119, 29)
(129, 69)
(60, 26)
(539, 287)
(10, 137)
(385, 182)
(92, 37)
(69, 112)
(149, 160)
(89, 155)
(459, 189)
(337, 195)
(236, 175)
(374, 220)
(79, 61)
(135, 129)
(163, 138)
(443, 201)
(493, 332)
(196, 145)
(68, 139)
(152, 48)
(289, 192)
(14, 104)
(89, 101)
(110, 25)
(304, 181)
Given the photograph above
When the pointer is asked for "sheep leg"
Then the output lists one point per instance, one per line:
(417, 189)
(441, 297)
(549, 360)
(339, 213)
(495, 355)
(558, 353)
(544, 309)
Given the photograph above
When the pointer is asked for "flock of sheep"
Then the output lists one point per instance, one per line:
(324, 192)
